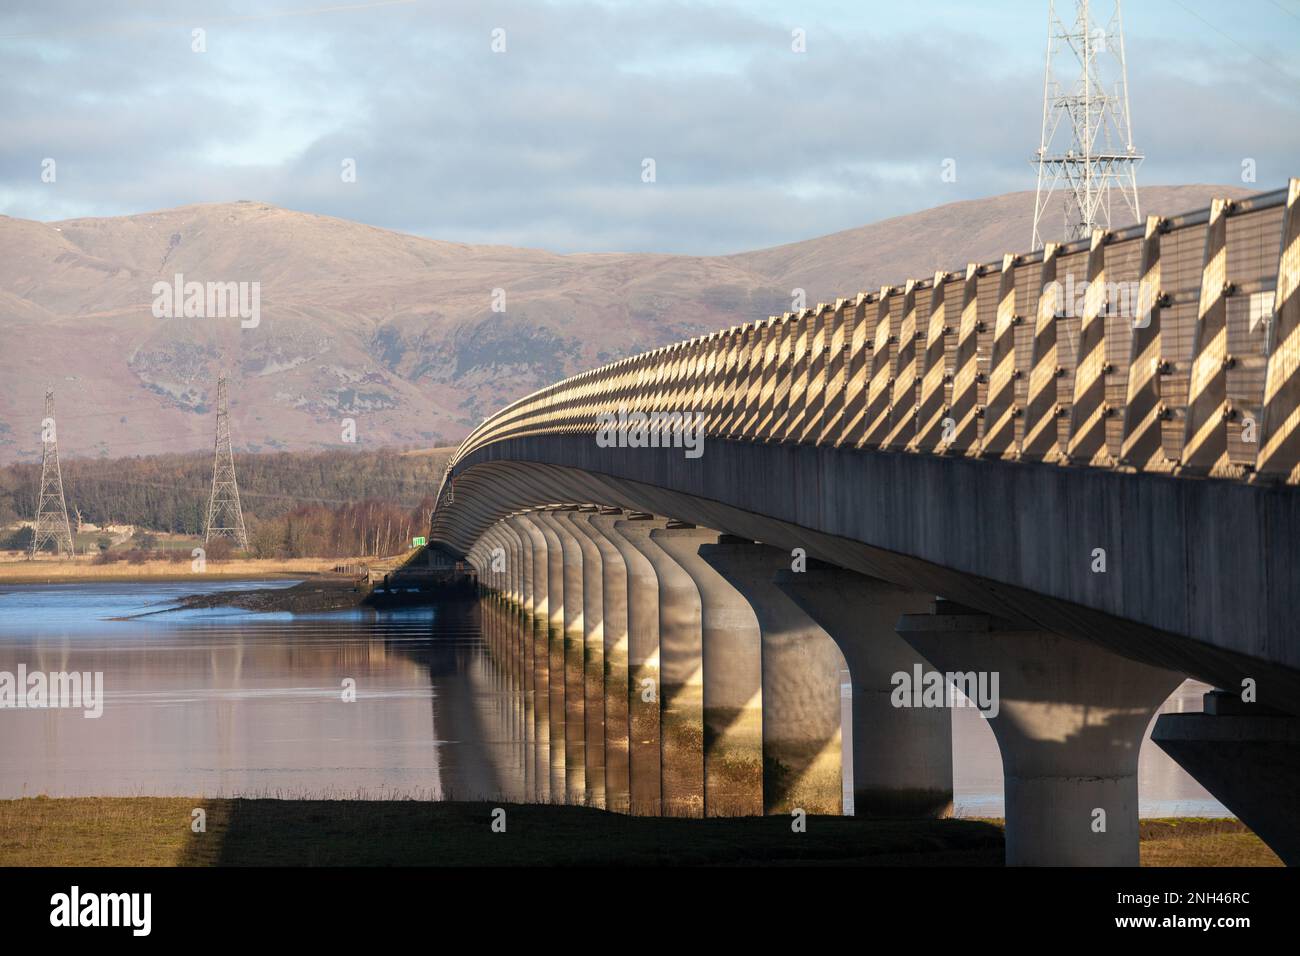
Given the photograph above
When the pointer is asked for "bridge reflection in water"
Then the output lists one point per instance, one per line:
(237, 704)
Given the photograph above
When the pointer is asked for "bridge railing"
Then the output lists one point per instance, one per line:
(1172, 346)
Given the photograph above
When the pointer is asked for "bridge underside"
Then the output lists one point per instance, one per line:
(1016, 541)
(1102, 499)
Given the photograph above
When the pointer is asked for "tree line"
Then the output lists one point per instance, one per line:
(295, 504)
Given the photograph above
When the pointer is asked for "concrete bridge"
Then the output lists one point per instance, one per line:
(1072, 471)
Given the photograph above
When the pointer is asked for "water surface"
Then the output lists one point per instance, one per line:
(223, 702)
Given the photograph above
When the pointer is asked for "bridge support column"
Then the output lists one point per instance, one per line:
(495, 607)
(593, 640)
(571, 661)
(515, 606)
(902, 757)
(553, 564)
(502, 612)
(515, 615)
(521, 587)
(614, 600)
(681, 678)
(1069, 722)
(801, 666)
(732, 691)
(644, 690)
(536, 648)
(1248, 757)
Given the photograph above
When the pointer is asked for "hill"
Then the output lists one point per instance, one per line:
(397, 332)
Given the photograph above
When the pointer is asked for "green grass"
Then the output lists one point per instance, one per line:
(155, 831)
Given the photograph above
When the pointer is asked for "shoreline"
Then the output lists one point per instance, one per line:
(83, 572)
(322, 592)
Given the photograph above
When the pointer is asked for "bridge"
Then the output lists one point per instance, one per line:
(1072, 472)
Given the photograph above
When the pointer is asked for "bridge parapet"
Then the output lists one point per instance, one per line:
(1172, 347)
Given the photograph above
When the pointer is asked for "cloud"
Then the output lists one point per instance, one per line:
(542, 145)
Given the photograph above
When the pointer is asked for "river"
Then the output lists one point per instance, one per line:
(222, 702)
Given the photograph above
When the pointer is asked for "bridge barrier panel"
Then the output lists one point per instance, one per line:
(964, 409)
(903, 417)
(808, 429)
(1205, 438)
(858, 372)
(1001, 409)
(1041, 441)
(836, 371)
(1279, 454)
(1143, 445)
(880, 386)
(933, 408)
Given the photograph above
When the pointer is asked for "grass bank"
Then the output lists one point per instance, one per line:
(156, 831)
(80, 570)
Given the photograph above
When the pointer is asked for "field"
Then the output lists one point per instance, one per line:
(157, 831)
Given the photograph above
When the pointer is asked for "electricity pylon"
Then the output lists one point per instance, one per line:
(51, 522)
(225, 517)
(1085, 89)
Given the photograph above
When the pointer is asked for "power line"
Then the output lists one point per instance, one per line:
(1231, 39)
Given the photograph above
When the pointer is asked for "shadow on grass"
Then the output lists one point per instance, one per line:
(399, 832)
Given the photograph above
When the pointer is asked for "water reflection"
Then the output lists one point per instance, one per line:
(223, 702)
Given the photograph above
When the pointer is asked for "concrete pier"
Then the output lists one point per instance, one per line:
(515, 627)
(902, 757)
(618, 779)
(571, 661)
(533, 636)
(681, 674)
(645, 764)
(732, 691)
(801, 665)
(1248, 757)
(552, 651)
(1070, 718)
(593, 639)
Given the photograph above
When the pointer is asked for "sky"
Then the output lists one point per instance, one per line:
(544, 143)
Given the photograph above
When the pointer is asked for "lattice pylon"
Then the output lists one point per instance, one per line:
(51, 522)
(225, 516)
(1085, 92)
